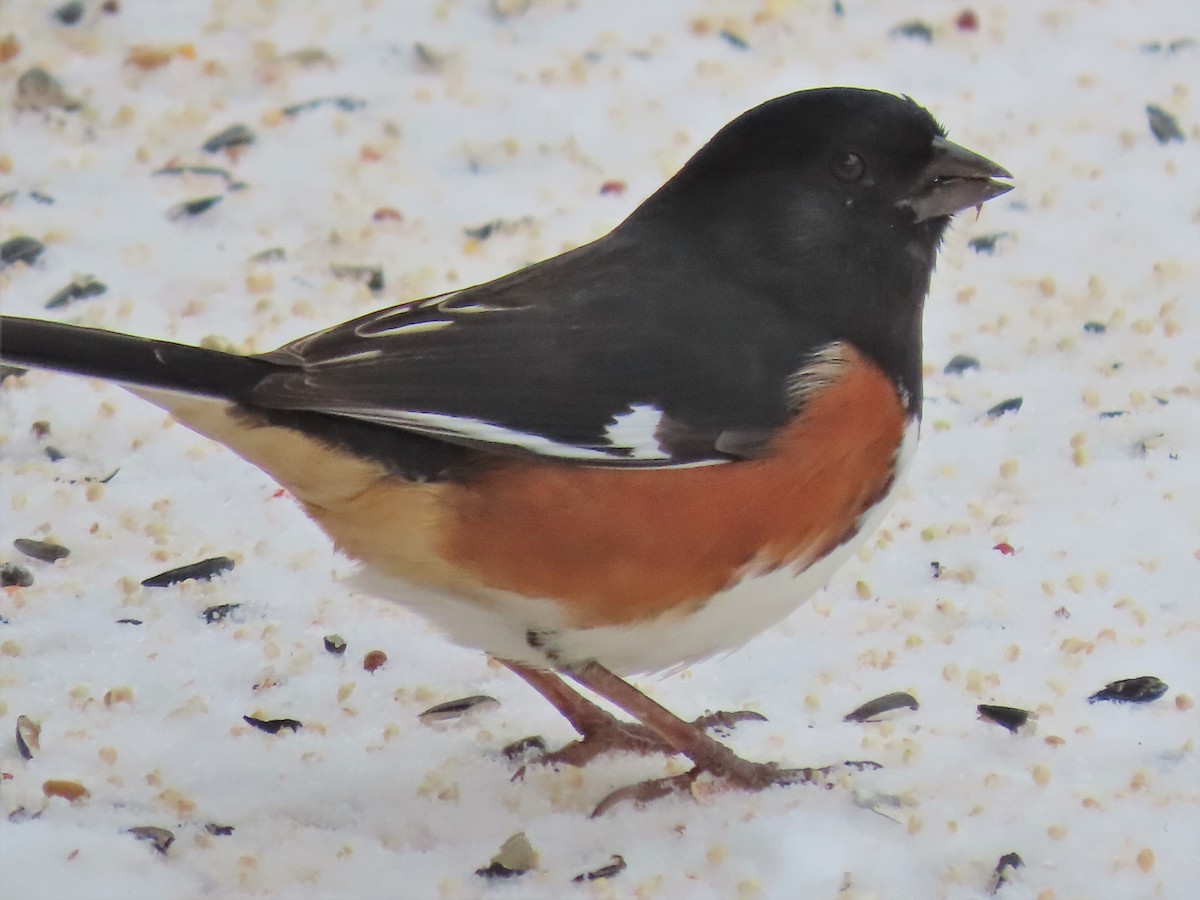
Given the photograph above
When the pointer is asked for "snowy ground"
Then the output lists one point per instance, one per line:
(555, 119)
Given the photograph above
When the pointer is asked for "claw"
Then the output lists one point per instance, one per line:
(740, 775)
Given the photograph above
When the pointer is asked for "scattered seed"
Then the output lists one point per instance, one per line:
(215, 171)
(12, 575)
(335, 644)
(83, 288)
(21, 814)
(937, 568)
(516, 857)
(967, 20)
(220, 612)
(1094, 327)
(198, 571)
(734, 40)
(193, 207)
(1143, 689)
(1113, 414)
(129, 621)
(961, 363)
(387, 214)
(67, 790)
(345, 104)
(159, 838)
(39, 197)
(880, 705)
(219, 830)
(1008, 863)
(22, 248)
(1162, 124)
(1005, 406)
(29, 733)
(53, 453)
(914, 28)
(496, 226)
(70, 13)
(615, 866)
(986, 243)
(233, 136)
(270, 255)
(524, 747)
(374, 659)
(41, 550)
(371, 276)
(38, 90)
(273, 726)
(612, 188)
(1009, 717)
(453, 709)
(1170, 47)
(1004, 549)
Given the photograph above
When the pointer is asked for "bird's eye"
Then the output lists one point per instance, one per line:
(848, 166)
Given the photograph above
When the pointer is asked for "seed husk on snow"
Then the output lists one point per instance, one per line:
(45, 551)
(615, 866)
(203, 570)
(516, 857)
(28, 737)
(21, 248)
(220, 612)
(1010, 717)
(881, 705)
(335, 644)
(453, 709)
(525, 746)
(961, 363)
(1013, 404)
(233, 136)
(159, 838)
(1143, 689)
(12, 575)
(273, 726)
(1008, 863)
(193, 207)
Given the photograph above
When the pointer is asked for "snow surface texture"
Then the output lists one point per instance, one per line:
(552, 119)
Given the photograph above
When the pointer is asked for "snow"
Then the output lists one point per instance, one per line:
(526, 111)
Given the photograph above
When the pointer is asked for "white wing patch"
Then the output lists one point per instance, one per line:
(478, 431)
(636, 432)
(635, 426)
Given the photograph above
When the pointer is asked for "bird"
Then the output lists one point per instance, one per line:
(634, 455)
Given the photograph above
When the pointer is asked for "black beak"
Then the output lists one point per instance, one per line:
(955, 180)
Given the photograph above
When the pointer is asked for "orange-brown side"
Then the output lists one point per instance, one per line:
(614, 546)
(611, 546)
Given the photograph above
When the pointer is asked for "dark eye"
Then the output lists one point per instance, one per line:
(847, 166)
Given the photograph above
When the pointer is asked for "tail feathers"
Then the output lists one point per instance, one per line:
(130, 360)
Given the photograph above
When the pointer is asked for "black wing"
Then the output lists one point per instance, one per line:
(601, 357)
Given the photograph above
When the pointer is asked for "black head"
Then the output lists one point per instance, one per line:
(832, 202)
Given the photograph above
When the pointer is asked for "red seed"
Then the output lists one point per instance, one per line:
(386, 214)
(374, 660)
(1006, 549)
(613, 187)
(967, 20)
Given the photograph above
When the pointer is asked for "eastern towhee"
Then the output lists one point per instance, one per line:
(631, 456)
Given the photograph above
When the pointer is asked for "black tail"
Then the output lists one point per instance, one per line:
(127, 359)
